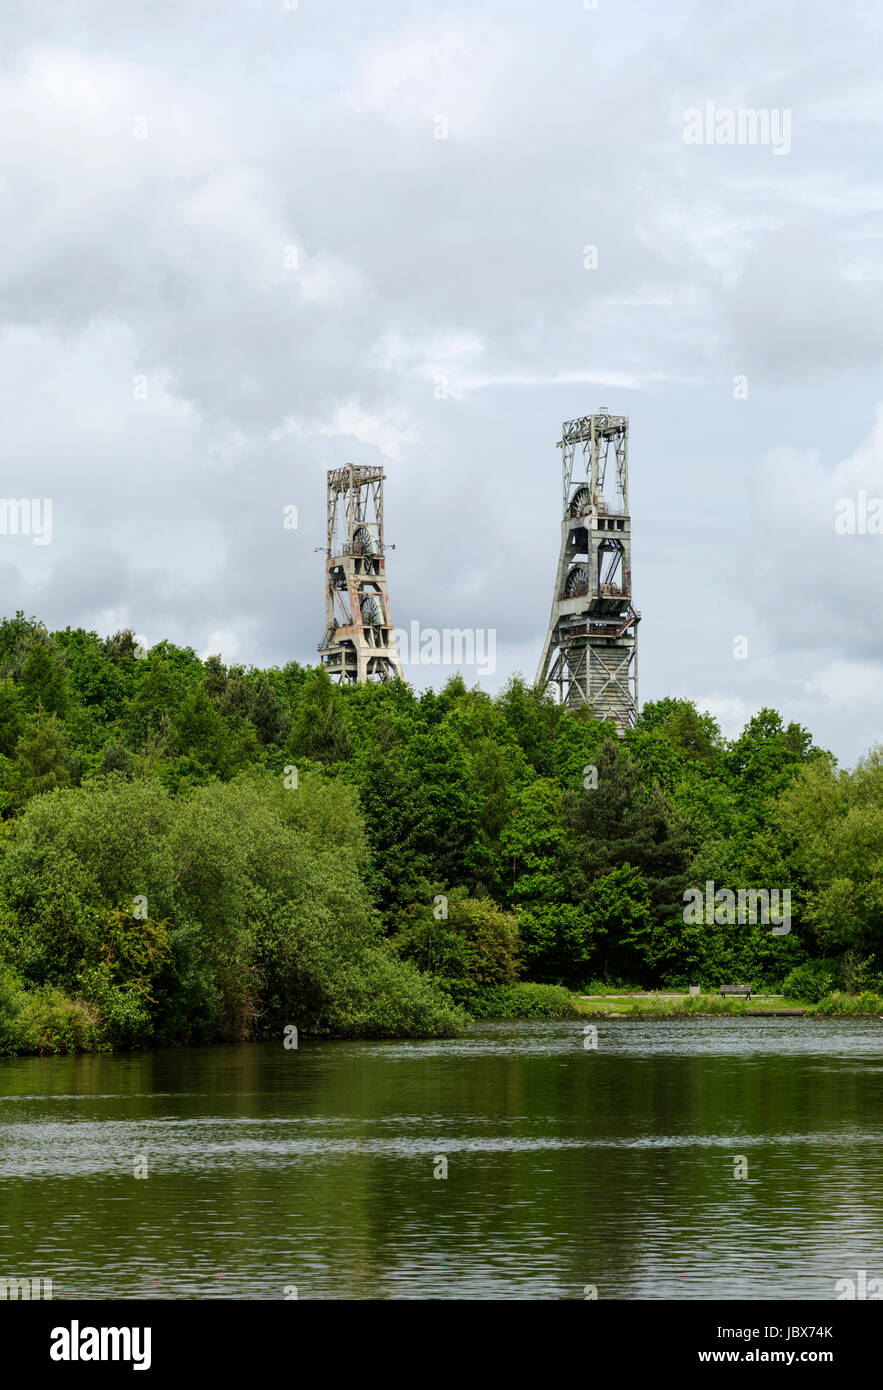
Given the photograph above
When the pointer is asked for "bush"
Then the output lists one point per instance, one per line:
(384, 997)
(859, 974)
(810, 981)
(258, 917)
(124, 1010)
(45, 1020)
(522, 1001)
(477, 942)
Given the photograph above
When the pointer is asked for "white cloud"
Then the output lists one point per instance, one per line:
(731, 711)
(420, 258)
(850, 685)
(450, 69)
(223, 643)
(388, 435)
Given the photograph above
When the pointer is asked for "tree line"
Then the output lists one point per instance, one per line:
(191, 850)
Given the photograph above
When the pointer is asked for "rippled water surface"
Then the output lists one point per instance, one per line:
(566, 1166)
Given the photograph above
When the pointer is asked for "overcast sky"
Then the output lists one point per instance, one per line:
(237, 251)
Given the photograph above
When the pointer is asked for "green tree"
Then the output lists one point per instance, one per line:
(623, 822)
(766, 756)
(620, 925)
(475, 942)
(696, 737)
(256, 899)
(12, 717)
(41, 758)
(533, 717)
(199, 732)
(266, 712)
(120, 647)
(319, 729)
(830, 827)
(43, 678)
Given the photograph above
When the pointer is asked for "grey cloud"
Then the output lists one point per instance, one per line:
(164, 258)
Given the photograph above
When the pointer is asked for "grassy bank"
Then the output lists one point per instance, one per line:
(662, 1005)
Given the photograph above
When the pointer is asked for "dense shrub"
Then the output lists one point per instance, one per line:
(256, 910)
(810, 981)
(858, 974)
(521, 1001)
(45, 1020)
(474, 942)
(382, 997)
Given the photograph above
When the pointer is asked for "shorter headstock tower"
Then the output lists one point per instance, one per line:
(358, 645)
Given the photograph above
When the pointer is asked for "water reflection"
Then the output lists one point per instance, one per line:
(566, 1166)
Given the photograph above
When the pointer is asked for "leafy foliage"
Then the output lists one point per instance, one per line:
(564, 851)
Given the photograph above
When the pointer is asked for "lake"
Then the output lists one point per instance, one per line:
(314, 1170)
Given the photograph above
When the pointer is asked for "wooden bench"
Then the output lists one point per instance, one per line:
(736, 989)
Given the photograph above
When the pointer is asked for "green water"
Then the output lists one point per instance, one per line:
(566, 1166)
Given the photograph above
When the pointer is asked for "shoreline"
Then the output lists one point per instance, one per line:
(680, 1006)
